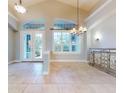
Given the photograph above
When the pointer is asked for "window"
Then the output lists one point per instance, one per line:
(63, 41)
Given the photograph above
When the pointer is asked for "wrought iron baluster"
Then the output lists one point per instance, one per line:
(103, 58)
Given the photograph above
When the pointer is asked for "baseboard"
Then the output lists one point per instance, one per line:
(83, 61)
(45, 73)
(14, 61)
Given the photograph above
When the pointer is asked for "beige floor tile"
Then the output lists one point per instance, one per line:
(15, 88)
(63, 78)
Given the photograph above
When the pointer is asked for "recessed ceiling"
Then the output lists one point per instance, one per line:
(86, 5)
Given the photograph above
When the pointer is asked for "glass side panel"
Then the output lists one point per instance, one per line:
(27, 46)
(75, 43)
(57, 41)
(66, 41)
(38, 46)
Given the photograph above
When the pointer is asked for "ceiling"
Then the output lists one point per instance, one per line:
(25, 2)
(86, 5)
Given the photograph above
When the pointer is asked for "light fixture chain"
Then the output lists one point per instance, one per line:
(77, 13)
(20, 2)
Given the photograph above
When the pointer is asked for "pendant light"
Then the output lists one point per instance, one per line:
(78, 28)
(19, 8)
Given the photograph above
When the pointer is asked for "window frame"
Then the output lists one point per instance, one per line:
(64, 52)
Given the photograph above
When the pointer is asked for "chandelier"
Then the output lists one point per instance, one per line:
(19, 8)
(78, 29)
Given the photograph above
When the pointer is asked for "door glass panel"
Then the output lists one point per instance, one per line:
(27, 46)
(38, 46)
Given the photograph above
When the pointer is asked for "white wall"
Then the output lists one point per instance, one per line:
(102, 24)
(17, 45)
(13, 39)
(11, 44)
(12, 22)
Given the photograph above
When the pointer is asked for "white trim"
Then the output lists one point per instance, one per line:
(99, 9)
(45, 73)
(10, 14)
(14, 61)
(83, 61)
(101, 19)
(10, 62)
(66, 53)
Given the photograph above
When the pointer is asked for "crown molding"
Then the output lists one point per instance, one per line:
(10, 14)
(101, 19)
(98, 10)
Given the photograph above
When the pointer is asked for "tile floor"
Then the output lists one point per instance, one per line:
(63, 78)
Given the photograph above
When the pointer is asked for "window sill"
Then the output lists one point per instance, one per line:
(66, 52)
